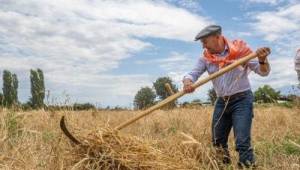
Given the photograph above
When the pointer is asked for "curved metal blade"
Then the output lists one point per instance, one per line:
(67, 132)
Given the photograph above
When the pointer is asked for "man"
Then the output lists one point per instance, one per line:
(234, 105)
(297, 64)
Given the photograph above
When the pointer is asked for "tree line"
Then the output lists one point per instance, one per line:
(147, 96)
(144, 98)
(9, 95)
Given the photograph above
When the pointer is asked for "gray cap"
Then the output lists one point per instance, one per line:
(208, 30)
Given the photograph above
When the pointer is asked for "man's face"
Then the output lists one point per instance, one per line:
(211, 43)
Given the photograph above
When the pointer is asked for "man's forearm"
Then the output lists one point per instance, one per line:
(264, 66)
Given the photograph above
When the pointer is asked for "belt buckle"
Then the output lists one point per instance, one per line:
(225, 98)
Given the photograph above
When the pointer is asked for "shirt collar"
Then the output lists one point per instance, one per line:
(225, 52)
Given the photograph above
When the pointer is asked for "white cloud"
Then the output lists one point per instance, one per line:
(76, 41)
(279, 24)
(191, 5)
(281, 29)
(273, 2)
(282, 74)
(176, 65)
(105, 89)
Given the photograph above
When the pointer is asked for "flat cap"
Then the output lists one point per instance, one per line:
(208, 30)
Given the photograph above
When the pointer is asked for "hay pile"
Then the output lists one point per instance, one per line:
(109, 149)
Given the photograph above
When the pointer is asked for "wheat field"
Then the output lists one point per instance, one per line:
(33, 140)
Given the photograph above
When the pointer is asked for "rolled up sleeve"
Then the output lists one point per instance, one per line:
(254, 66)
(197, 71)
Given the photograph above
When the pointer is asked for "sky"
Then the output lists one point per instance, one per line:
(104, 51)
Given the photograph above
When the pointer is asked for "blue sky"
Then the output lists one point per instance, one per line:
(103, 52)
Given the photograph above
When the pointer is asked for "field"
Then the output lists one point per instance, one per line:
(33, 140)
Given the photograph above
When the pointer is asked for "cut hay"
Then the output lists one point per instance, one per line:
(109, 149)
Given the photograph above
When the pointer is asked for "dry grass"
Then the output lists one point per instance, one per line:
(175, 139)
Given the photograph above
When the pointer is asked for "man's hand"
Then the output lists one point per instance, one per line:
(262, 54)
(187, 86)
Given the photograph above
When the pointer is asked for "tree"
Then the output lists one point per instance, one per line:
(266, 94)
(83, 106)
(34, 88)
(37, 88)
(1, 99)
(41, 85)
(297, 65)
(10, 89)
(212, 95)
(162, 92)
(15, 84)
(144, 98)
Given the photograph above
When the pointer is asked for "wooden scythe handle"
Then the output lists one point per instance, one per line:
(181, 93)
(169, 88)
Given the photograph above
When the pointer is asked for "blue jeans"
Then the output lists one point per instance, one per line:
(237, 114)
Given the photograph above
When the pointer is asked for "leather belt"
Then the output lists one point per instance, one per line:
(244, 93)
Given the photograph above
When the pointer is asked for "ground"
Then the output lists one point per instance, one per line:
(33, 140)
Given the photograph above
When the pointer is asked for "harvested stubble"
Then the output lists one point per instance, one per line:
(109, 149)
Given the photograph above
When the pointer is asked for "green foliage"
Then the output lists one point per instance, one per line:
(267, 149)
(185, 104)
(172, 130)
(290, 149)
(10, 89)
(159, 86)
(83, 106)
(7, 88)
(58, 107)
(290, 145)
(41, 84)
(292, 100)
(212, 95)
(118, 108)
(12, 125)
(266, 94)
(144, 98)
(26, 106)
(37, 88)
(286, 104)
(162, 92)
(196, 102)
(15, 84)
(1, 99)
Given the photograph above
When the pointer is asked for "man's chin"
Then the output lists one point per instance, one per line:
(212, 51)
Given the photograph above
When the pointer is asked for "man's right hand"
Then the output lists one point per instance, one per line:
(187, 86)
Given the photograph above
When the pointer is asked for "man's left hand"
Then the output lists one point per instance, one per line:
(262, 53)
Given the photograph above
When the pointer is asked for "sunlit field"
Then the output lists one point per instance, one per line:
(33, 140)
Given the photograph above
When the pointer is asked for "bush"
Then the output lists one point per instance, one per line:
(266, 94)
(83, 106)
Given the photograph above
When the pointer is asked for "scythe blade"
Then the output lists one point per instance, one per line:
(67, 132)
